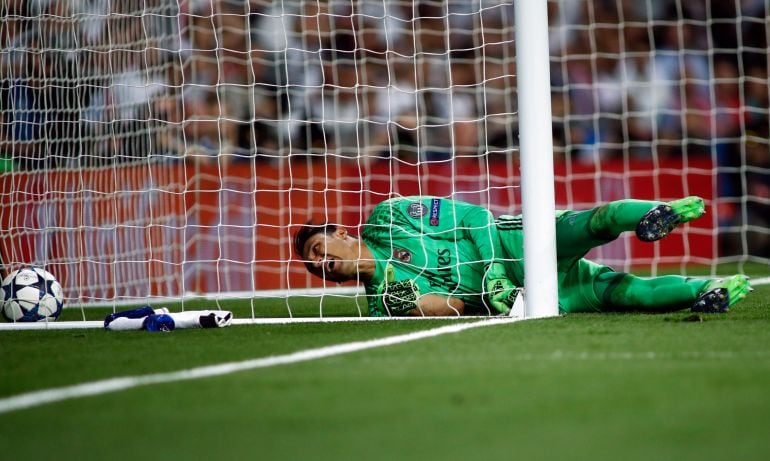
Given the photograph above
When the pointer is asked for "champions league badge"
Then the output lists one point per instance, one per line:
(416, 210)
(435, 210)
(405, 256)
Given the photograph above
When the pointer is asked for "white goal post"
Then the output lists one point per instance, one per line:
(534, 96)
(154, 150)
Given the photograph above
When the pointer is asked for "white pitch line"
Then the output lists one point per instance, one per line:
(78, 324)
(93, 324)
(760, 281)
(45, 396)
(42, 397)
(572, 356)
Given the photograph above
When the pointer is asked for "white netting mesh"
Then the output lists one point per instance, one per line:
(657, 99)
(155, 148)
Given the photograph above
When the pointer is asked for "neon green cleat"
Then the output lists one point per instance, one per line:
(661, 220)
(720, 294)
(689, 208)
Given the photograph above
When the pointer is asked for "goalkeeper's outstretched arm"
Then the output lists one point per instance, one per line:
(403, 297)
(433, 305)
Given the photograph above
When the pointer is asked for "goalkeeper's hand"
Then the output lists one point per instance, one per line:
(401, 297)
(500, 291)
(398, 297)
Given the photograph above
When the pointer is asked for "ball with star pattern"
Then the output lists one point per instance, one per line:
(31, 294)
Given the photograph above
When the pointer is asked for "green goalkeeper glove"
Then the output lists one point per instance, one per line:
(398, 297)
(500, 291)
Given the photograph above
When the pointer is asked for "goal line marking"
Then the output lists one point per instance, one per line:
(78, 324)
(342, 292)
(45, 396)
(93, 324)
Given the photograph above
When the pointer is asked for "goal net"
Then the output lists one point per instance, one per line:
(659, 99)
(155, 151)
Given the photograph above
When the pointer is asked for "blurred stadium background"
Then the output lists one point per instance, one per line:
(158, 149)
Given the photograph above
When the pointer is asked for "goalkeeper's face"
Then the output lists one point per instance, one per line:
(332, 257)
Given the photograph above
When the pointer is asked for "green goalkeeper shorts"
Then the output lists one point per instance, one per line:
(576, 275)
(576, 287)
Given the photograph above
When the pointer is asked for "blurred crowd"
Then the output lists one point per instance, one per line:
(92, 82)
(670, 80)
(96, 81)
(664, 78)
(428, 79)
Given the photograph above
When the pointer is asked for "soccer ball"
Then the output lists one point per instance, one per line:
(31, 295)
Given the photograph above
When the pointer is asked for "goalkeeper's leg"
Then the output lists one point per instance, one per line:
(651, 220)
(592, 287)
(577, 232)
(621, 291)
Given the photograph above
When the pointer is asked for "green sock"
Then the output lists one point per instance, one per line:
(612, 219)
(621, 291)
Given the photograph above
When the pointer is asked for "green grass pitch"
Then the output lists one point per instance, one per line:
(583, 386)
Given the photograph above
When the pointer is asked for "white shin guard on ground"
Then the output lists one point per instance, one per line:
(186, 319)
(202, 319)
(127, 323)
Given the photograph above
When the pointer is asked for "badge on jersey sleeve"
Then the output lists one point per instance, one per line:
(400, 254)
(416, 210)
(435, 211)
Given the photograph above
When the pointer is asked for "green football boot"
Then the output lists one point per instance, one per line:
(720, 294)
(661, 220)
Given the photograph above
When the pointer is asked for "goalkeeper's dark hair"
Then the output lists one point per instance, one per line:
(308, 230)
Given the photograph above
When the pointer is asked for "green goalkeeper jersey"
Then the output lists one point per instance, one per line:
(444, 246)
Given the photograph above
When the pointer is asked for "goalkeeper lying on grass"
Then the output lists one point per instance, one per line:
(431, 256)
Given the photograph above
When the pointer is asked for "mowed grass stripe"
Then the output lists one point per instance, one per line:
(45, 396)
